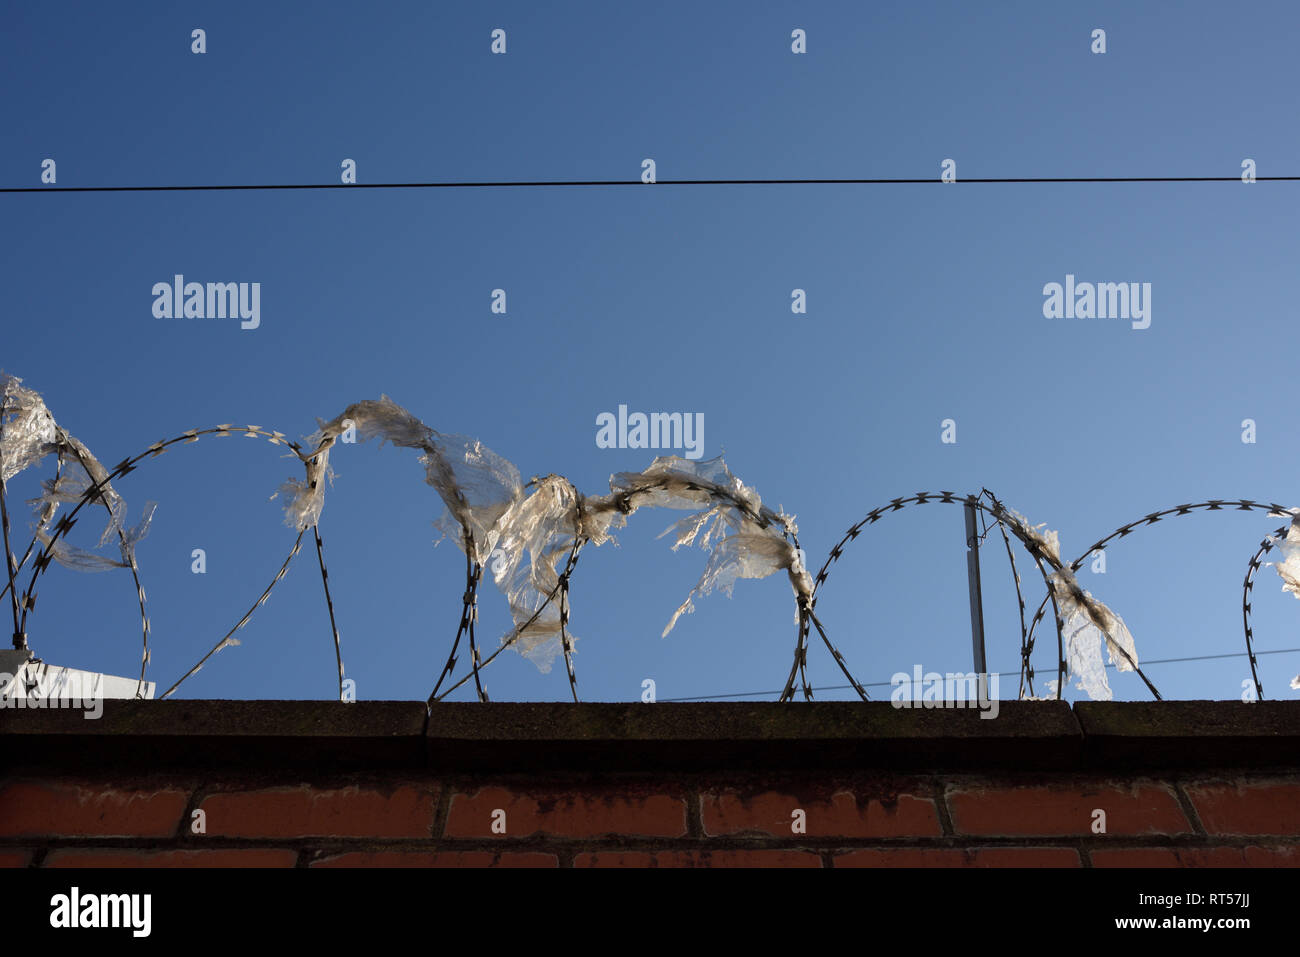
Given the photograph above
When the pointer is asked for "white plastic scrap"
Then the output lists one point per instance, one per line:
(27, 429)
(79, 559)
(1288, 569)
(1050, 688)
(1087, 622)
(536, 534)
(749, 539)
(83, 470)
(306, 497)
(28, 432)
(535, 537)
(1049, 541)
(533, 540)
(383, 418)
(475, 483)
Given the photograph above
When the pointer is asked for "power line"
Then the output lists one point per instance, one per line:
(886, 684)
(619, 182)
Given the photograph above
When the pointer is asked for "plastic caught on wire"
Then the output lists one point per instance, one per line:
(29, 432)
(27, 429)
(80, 559)
(363, 420)
(475, 483)
(1088, 623)
(748, 539)
(538, 532)
(1049, 541)
(478, 487)
(534, 536)
(1288, 569)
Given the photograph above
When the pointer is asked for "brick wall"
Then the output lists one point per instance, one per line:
(321, 784)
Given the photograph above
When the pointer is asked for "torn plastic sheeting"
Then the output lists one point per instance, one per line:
(1050, 687)
(1289, 568)
(748, 539)
(534, 535)
(382, 418)
(671, 481)
(27, 429)
(476, 485)
(538, 640)
(79, 559)
(1086, 621)
(306, 497)
(746, 554)
(1049, 541)
(79, 471)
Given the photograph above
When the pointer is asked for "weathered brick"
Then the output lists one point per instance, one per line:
(438, 859)
(1045, 811)
(567, 813)
(1280, 856)
(902, 857)
(214, 857)
(304, 811)
(961, 857)
(842, 815)
(89, 810)
(1266, 807)
(730, 858)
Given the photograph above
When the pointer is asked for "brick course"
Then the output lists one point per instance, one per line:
(825, 785)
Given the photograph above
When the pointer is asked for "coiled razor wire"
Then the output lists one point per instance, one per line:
(1212, 505)
(96, 492)
(560, 586)
(1264, 547)
(1001, 517)
(1058, 581)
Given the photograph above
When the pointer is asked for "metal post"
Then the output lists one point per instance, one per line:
(976, 600)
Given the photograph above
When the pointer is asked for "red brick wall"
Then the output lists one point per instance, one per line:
(589, 811)
(277, 820)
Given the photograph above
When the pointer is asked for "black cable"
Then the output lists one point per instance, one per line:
(886, 684)
(637, 182)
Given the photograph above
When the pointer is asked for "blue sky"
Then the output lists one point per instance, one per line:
(925, 303)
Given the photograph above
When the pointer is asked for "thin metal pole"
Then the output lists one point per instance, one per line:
(976, 599)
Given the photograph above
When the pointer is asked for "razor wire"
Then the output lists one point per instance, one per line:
(1211, 505)
(1002, 518)
(1246, 587)
(97, 491)
(548, 519)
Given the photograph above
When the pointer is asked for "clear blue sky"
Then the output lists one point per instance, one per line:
(925, 303)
